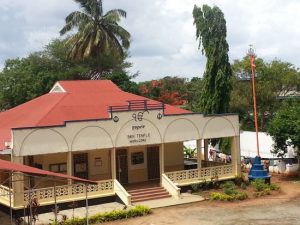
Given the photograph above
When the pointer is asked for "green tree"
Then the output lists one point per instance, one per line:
(285, 128)
(24, 79)
(211, 32)
(275, 80)
(123, 81)
(194, 91)
(98, 36)
(170, 90)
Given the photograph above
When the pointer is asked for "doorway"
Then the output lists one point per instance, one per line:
(122, 166)
(153, 163)
(81, 165)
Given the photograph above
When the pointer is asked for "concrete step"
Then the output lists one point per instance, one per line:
(149, 194)
(144, 189)
(146, 194)
(147, 198)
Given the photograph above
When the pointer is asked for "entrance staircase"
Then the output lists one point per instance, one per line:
(146, 194)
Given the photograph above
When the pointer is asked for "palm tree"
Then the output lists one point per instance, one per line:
(97, 33)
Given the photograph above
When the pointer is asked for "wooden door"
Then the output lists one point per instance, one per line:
(153, 163)
(81, 165)
(122, 166)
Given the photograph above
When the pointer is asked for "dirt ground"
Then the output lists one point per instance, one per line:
(279, 208)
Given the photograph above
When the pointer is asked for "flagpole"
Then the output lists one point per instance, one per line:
(252, 58)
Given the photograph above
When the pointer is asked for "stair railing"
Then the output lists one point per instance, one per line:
(170, 186)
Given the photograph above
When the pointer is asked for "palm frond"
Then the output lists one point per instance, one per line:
(100, 6)
(122, 34)
(84, 4)
(115, 15)
(74, 19)
(97, 34)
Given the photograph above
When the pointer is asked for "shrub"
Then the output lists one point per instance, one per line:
(243, 186)
(220, 196)
(262, 188)
(259, 184)
(108, 216)
(205, 185)
(226, 197)
(241, 196)
(195, 187)
(228, 184)
(229, 188)
(267, 191)
(238, 180)
(274, 187)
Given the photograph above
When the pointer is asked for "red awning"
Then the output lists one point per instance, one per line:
(15, 167)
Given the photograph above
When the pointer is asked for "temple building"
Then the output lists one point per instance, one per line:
(94, 130)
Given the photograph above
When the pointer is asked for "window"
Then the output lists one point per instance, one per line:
(58, 168)
(137, 158)
(98, 161)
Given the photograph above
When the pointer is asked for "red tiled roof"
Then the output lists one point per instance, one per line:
(82, 100)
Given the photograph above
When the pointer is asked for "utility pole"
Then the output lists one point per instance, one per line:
(257, 170)
(251, 54)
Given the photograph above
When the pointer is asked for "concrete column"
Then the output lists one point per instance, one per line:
(206, 149)
(113, 163)
(199, 156)
(162, 159)
(69, 165)
(18, 183)
(236, 155)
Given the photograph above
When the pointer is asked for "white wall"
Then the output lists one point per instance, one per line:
(248, 145)
(90, 135)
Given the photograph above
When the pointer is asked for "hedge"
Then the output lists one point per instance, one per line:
(139, 210)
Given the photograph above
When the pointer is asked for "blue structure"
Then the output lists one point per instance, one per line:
(258, 172)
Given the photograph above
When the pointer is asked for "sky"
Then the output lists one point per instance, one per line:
(163, 41)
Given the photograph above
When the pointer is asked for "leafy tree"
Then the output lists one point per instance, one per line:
(24, 79)
(98, 36)
(170, 90)
(225, 145)
(123, 81)
(275, 80)
(211, 32)
(285, 128)
(194, 91)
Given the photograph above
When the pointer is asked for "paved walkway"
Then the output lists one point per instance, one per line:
(164, 202)
(80, 212)
(46, 218)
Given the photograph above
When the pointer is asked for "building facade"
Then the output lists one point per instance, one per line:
(94, 130)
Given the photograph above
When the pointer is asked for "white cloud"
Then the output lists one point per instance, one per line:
(163, 35)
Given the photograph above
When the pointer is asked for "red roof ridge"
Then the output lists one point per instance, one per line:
(51, 109)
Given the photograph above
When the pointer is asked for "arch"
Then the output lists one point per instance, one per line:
(91, 137)
(43, 141)
(181, 129)
(127, 129)
(218, 127)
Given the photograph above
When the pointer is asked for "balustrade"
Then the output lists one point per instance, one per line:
(69, 191)
(5, 193)
(207, 173)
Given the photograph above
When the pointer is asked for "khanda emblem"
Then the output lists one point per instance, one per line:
(139, 116)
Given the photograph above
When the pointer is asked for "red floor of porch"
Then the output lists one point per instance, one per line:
(142, 185)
